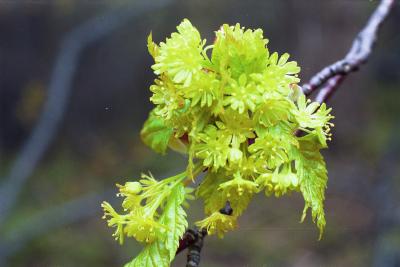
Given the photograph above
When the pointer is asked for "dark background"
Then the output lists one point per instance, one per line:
(100, 47)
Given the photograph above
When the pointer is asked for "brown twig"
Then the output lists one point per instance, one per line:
(194, 250)
(193, 240)
(332, 76)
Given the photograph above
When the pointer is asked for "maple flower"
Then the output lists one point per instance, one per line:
(218, 223)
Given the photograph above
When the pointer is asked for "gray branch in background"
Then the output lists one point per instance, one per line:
(59, 90)
(50, 219)
(53, 218)
(330, 77)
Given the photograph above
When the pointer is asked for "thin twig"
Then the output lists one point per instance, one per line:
(58, 94)
(193, 240)
(331, 76)
(194, 250)
(329, 88)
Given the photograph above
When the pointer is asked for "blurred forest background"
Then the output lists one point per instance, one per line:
(80, 70)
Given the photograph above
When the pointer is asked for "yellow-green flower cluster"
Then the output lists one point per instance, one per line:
(236, 108)
(142, 203)
(218, 223)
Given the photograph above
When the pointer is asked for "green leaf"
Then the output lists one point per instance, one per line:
(156, 134)
(311, 169)
(153, 255)
(162, 251)
(208, 191)
(174, 217)
(151, 46)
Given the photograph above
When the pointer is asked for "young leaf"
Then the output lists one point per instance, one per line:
(174, 217)
(156, 134)
(311, 169)
(162, 251)
(151, 46)
(153, 255)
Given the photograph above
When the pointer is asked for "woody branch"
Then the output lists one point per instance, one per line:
(330, 77)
